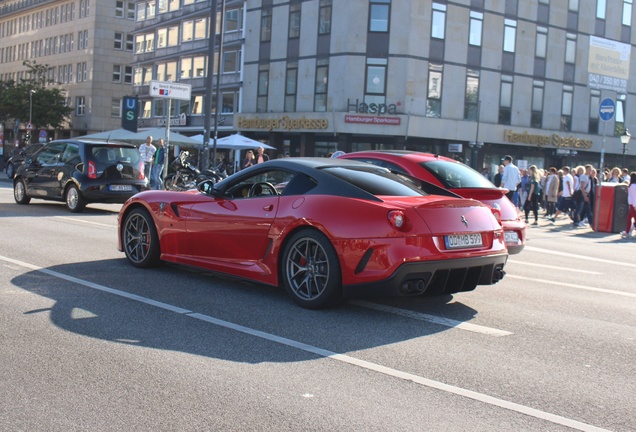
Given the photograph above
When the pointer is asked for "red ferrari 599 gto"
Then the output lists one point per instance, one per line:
(325, 229)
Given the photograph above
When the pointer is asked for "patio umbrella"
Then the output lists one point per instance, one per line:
(175, 137)
(114, 135)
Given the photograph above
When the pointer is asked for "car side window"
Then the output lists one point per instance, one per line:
(71, 154)
(261, 184)
(51, 154)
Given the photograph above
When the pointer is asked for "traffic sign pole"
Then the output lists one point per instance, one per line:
(606, 113)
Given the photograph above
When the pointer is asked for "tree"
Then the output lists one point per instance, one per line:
(45, 106)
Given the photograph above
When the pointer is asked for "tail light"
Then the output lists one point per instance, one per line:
(141, 170)
(92, 170)
(497, 214)
(396, 219)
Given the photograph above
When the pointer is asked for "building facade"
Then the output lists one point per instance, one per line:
(471, 79)
(88, 48)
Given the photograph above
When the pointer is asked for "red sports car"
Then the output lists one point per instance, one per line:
(456, 177)
(325, 229)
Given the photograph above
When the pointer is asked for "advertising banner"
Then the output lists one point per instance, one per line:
(608, 64)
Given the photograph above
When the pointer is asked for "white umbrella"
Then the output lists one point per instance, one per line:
(175, 137)
(114, 135)
(234, 142)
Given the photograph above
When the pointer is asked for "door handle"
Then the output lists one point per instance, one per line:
(268, 207)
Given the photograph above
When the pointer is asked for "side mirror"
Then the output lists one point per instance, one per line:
(207, 187)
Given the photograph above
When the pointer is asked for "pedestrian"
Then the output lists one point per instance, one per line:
(625, 178)
(631, 201)
(524, 189)
(584, 210)
(261, 156)
(497, 179)
(157, 166)
(564, 204)
(510, 178)
(552, 191)
(249, 160)
(615, 175)
(532, 201)
(147, 152)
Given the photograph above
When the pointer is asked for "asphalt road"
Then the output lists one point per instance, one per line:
(87, 342)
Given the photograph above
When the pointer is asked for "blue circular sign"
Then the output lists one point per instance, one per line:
(606, 109)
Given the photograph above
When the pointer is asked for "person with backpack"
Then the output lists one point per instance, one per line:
(532, 202)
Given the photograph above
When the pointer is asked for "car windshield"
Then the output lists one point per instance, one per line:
(377, 182)
(454, 175)
(113, 154)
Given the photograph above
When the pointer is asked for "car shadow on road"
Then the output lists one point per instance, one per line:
(39, 208)
(85, 307)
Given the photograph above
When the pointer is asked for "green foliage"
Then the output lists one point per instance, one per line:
(32, 97)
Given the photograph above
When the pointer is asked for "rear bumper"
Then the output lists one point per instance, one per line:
(434, 277)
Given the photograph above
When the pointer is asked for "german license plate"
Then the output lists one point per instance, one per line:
(511, 237)
(120, 188)
(457, 241)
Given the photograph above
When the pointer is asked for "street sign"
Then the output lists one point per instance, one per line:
(29, 126)
(170, 90)
(606, 109)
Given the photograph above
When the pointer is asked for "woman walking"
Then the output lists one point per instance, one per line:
(532, 202)
(631, 201)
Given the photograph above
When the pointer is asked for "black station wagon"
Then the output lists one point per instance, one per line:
(81, 172)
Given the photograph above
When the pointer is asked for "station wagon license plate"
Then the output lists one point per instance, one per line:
(511, 237)
(120, 188)
(457, 241)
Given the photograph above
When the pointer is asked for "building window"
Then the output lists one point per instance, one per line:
(321, 85)
(471, 100)
(324, 17)
(438, 21)
(294, 21)
(198, 67)
(375, 88)
(197, 105)
(595, 101)
(146, 109)
(266, 25)
(566, 108)
(476, 26)
(115, 107)
(187, 29)
(262, 90)
(570, 48)
(505, 100)
(171, 71)
(542, 42)
(80, 106)
(231, 62)
(510, 35)
(200, 28)
(162, 38)
(232, 20)
(619, 123)
(186, 68)
(173, 36)
(128, 74)
(84, 8)
(119, 9)
(130, 42)
(379, 12)
(627, 13)
(117, 73)
(291, 83)
(434, 95)
(81, 72)
(119, 41)
(573, 5)
(160, 108)
(536, 117)
(600, 9)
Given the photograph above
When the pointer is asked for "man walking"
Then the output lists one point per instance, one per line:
(565, 201)
(157, 166)
(511, 177)
(147, 152)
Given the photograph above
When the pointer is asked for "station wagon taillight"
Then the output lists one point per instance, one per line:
(141, 170)
(92, 170)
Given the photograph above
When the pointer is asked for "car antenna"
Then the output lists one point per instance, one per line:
(108, 137)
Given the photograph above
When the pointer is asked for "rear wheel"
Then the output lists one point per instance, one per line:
(140, 239)
(19, 192)
(311, 270)
(74, 200)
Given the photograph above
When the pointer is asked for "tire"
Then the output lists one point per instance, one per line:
(74, 200)
(140, 240)
(10, 171)
(311, 271)
(19, 192)
(168, 182)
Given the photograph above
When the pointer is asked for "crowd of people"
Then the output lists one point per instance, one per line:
(566, 191)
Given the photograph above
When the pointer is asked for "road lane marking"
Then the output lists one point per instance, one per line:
(583, 257)
(447, 322)
(321, 352)
(85, 221)
(569, 285)
(553, 267)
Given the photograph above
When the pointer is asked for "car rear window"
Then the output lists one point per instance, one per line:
(455, 175)
(377, 182)
(113, 154)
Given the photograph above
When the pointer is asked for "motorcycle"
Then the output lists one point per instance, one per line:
(187, 176)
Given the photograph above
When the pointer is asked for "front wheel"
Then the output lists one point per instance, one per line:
(10, 171)
(19, 192)
(74, 200)
(140, 239)
(311, 270)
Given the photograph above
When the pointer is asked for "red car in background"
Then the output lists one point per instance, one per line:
(456, 177)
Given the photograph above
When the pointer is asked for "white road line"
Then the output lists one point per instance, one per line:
(553, 267)
(85, 221)
(583, 257)
(569, 285)
(480, 397)
(447, 322)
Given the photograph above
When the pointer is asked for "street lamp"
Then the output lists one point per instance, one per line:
(625, 137)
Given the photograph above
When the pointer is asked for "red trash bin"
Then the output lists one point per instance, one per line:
(611, 214)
